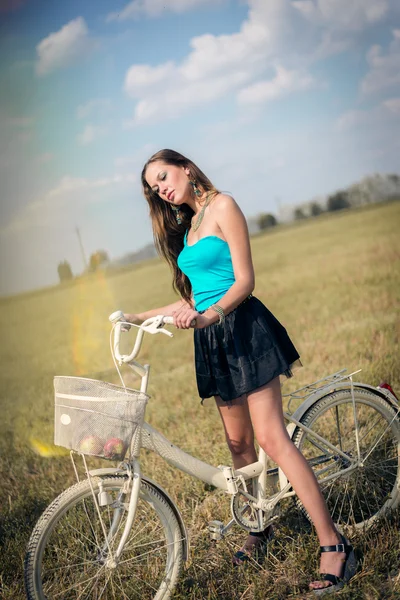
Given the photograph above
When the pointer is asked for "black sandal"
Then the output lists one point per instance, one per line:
(349, 568)
(258, 551)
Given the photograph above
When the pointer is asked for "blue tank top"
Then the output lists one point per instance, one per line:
(208, 265)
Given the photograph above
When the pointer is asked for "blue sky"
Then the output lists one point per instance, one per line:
(278, 101)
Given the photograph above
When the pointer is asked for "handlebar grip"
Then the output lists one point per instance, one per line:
(116, 316)
(170, 321)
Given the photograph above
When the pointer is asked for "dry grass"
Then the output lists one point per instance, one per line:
(334, 282)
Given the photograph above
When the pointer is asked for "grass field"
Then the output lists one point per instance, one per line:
(334, 281)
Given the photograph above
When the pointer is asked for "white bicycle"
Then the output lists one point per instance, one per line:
(118, 535)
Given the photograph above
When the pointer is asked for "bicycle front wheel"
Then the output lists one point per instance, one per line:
(363, 485)
(68, 553)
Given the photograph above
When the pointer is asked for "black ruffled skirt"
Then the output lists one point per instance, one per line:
(244, 353)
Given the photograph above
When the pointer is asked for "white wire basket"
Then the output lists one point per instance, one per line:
(95, 417)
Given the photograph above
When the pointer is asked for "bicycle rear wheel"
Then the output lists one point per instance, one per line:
(67, 554)
(356, 496)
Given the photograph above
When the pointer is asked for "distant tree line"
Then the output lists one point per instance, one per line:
(266, 220)
(64, 271)
(371, 189)
(97, 259)
(336, 201)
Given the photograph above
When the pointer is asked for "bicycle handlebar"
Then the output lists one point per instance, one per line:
(151, 325)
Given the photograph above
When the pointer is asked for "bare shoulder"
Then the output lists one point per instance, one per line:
(223, 203)
(228, 216)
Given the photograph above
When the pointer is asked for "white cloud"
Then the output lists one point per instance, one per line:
(283, 83)
(95, 106)
(383, 112)
(343, 14)
(181, 95)
(393, 104)
(91, 133)
(237, 64)
(134, 162)
(141, 78)
(384, 68)
(353, 118)
(339, 21)
(65, 47)
(155, 8)
(66, 199)
(212, 54)
(74, 184)
(216, 65)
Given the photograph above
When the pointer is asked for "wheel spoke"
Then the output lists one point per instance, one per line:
(87, 581)
(70, 566)
(142, 545)
(104, 586)
(373, 448)
(134, 558)
(338, 427)
(82, 535)
(75, 567)
(121, 587)
(354, 493)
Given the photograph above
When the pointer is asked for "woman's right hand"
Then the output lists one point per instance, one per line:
(131, 318)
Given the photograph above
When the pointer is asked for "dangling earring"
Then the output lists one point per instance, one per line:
(195, 188)
(177, 214)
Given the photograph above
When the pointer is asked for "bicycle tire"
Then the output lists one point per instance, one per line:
(356, 497)
(67, 558)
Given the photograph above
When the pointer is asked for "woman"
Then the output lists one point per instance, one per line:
(240, 348)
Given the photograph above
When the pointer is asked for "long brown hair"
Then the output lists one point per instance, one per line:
(168, 234)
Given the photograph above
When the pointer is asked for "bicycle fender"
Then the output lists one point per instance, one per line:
(162, 492)
(327, 390)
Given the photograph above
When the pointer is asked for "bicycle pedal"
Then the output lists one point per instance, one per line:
(215, 528)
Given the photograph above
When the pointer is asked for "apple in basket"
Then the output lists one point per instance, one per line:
(91, 445)
(114, 448)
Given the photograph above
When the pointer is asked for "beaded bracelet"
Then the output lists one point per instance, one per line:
(218, 309)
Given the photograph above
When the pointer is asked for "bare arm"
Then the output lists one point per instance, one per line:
(233, 225)
(167, 311)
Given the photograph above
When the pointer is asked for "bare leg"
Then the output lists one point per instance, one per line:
(265, 407)
(240, 438)
(238, 428)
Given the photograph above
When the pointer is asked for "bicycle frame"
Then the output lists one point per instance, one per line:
(221, 477)
(224, 477)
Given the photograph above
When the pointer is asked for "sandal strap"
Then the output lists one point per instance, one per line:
(331, 578)
(241, 555)
(343, 547)
(266, 536)
(337, 548)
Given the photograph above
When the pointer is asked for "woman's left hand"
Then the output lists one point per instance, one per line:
(184, 316)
